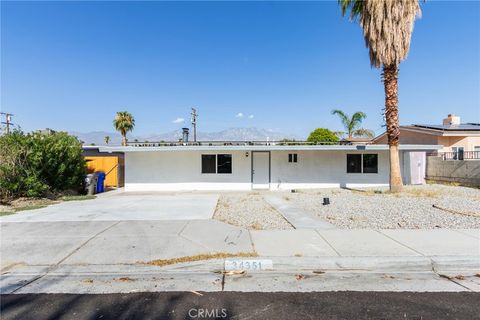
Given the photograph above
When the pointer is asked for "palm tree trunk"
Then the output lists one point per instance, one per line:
(124, 139)
(390, 80)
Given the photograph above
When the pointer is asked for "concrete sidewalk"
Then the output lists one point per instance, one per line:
(63, 256)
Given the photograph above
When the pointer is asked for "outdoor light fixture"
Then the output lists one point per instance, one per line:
(246, 154)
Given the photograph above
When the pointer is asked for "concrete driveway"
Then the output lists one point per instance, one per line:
(121, 206)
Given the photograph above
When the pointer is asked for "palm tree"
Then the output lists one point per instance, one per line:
(352, 124)
(387, 28)
(107, 139)
(123, 123)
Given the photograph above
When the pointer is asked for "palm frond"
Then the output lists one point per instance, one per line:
(355, 7)
(358, 117)
(367, 133)
(387, 27)
(343, 117)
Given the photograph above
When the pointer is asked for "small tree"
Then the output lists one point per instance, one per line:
(322, 135)
(123, 123)
(107, 139)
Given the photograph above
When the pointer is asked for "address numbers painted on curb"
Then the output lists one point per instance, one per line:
(248, 264)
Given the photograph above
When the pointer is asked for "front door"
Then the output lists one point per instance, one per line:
(260, 170)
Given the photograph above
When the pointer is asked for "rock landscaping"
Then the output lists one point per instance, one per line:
(418, 207)
(249, 210)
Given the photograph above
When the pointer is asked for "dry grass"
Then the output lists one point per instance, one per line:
(422, 193)
(256, 226)
(201, 257)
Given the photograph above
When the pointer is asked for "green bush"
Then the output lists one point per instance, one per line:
(320, 135)
(31, 165)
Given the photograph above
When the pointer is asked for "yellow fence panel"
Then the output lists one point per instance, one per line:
(109, 165)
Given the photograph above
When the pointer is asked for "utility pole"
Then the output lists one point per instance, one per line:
(194, 124)
(8, 120)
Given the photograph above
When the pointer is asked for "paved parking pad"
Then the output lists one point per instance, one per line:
(125, 206)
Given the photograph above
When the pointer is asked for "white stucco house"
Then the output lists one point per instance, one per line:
(250, 165)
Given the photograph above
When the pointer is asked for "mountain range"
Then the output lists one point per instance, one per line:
(231, 134)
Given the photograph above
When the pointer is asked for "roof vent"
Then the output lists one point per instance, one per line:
(451, 119)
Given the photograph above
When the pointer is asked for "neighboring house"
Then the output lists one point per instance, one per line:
(263, 165)
(461, 140)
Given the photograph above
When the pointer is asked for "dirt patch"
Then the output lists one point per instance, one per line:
(21, 204)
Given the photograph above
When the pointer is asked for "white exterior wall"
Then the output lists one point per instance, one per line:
(324, 169)
(181, 170)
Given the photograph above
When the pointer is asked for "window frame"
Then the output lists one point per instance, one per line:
(216, 163)
(201, 163)
(361, 163)
(293, 158)
(231, 162)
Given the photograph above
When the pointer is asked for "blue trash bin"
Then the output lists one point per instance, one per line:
(101, 181)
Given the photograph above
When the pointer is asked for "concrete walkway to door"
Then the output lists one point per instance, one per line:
(297, 218)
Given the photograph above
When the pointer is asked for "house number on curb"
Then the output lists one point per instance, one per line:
(248, 264)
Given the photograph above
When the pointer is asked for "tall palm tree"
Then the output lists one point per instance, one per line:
(352, 124)
(123, 123)
(107, 139)
(387, 28)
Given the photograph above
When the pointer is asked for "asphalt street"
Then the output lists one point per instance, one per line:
(235, 305)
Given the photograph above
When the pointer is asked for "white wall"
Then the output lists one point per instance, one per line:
(324, 169)
(181, 170)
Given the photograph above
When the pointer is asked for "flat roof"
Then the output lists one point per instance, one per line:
(370, 147)
(451, 127)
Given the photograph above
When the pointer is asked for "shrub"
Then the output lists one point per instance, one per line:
(322, 135)
(33, 164)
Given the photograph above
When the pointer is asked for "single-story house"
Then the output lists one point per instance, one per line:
(461, 140)
(266, 165)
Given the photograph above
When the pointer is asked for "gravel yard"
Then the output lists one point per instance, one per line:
(250, 211)
(376, 208)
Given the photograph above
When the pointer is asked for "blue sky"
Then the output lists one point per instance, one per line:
(72, 65)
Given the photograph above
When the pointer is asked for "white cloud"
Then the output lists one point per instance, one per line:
(250, 116)
(178, 120)
(239, 115)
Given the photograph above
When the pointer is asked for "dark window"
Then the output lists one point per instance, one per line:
(292, 157)
(354, 163)
(370, 163)
(224, 163)
(208, 163)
